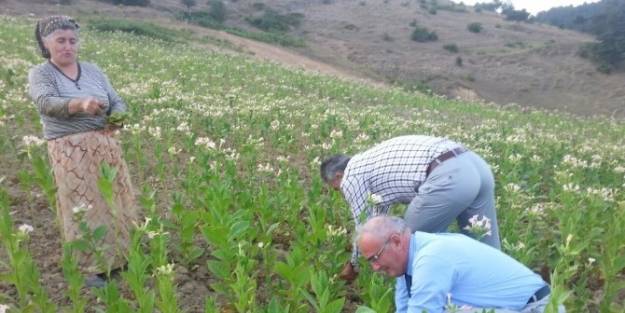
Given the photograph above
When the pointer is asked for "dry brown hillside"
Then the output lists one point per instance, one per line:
(507, 62)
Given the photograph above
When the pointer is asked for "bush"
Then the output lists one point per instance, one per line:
(488, 6)
(188, 3)
(201, 18)
(277, 38)
(141, 3)
(452, 47)
(217, 11)
(475, 27)
(422, 34)
(272, 21)
(135, 27)
(516, 15)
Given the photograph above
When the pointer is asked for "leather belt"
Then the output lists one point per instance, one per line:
(444, 157)
(540, 294)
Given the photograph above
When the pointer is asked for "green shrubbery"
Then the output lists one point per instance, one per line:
(475, 27)
(273, 21)
(268, 37)
(128, 2)
(422, 34)
(217, 11)
(135, 27)
(452, 47)
(213, 18)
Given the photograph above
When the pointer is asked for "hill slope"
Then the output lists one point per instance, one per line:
(529, 64)
(224, 151)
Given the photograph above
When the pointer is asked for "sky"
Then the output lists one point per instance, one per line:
(535, 6)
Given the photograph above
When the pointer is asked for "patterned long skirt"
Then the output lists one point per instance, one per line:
(76, 161)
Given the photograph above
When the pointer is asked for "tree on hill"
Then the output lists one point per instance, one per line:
(188, 3)
(515, 15)
(488, 6)
(610, 30)
(217, 10)
(142, 3)
(604, 19)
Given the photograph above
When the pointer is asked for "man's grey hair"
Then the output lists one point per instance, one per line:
(333, 165)
(382, 227)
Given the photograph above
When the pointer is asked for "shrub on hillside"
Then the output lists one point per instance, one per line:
(422, 34)
(488, 6)
(189, 3)
(217, 10)
(272, 21)
(475, 27)
(134, 27)
(452, 47)
(201, 18)
(515, 15)
(459, 61)
(141, 3)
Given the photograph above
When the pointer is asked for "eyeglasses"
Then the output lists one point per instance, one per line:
(377, 255)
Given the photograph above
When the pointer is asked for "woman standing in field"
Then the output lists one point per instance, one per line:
(74, 100)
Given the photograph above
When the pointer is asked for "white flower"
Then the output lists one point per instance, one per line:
(151, 234)
(165, 269)
(205, 141)
(25, 228)
(261, 244)
(30, 141)
(376, 198)
(275, 124)
(173, 150)
(336, 134)
(479, 227)
(81, 208)
(183, 127)
(512, 187)
(591, 261)
(155, 132)
(267, 168)
(537, 209)
(4, 308)
(335, 231)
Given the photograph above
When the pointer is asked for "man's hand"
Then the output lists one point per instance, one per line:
(348, 273)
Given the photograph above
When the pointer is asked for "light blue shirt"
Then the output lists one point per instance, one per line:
(469, 272)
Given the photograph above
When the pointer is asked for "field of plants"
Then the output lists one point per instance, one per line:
(224, 152)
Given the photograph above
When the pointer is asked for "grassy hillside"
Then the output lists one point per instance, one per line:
(224, 151)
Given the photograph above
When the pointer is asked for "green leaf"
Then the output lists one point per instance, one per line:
(99, 232)
(364, 309)
(335, 306)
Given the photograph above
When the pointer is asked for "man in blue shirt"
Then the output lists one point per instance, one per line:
(436, 272)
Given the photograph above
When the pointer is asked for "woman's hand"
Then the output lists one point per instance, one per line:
(89, 105)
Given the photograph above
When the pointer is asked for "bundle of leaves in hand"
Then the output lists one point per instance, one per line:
(117, 118)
